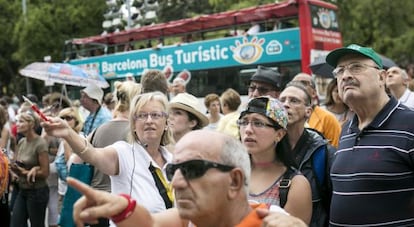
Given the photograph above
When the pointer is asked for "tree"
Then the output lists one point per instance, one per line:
(45, 28)
(8, 12)
(179, 9)
(381, 24)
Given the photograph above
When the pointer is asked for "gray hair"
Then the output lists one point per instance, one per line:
(404, 74)
(234, 153)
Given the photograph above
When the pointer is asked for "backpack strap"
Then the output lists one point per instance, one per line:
(284, 185)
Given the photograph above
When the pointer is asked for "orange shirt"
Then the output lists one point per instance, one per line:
(252, 219)
(326, 123)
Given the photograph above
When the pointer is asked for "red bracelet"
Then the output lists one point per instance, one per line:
(127, 211)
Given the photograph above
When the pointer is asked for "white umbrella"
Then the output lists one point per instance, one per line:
(63, 73)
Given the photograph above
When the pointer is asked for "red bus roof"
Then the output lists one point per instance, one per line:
(287, 8)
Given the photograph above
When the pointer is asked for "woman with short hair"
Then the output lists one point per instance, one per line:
(137, 167)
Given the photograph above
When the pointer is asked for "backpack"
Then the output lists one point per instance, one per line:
(4, 172)
(319, 167)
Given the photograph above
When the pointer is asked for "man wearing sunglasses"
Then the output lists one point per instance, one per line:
(266, 81)
(372, 172)
(210, 178)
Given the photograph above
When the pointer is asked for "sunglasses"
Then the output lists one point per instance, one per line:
(67, 118)
(260, 90)
(194, 168)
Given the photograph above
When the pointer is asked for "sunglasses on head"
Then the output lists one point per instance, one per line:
(194, 168)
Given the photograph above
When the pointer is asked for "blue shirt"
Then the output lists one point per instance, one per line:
(372, 172)
(94, 120)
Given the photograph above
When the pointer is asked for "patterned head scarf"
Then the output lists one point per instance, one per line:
(269, 107)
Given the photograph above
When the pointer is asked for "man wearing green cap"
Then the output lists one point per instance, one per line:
(373, 171)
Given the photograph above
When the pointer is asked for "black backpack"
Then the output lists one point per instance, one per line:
(319, 168)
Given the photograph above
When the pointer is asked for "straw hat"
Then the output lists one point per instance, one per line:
(189, 103)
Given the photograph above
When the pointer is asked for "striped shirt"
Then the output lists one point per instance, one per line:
(372, 172)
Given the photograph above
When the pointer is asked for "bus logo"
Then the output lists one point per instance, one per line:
(274, 47)
(249, 51)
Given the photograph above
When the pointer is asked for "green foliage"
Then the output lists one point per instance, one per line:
(382, 24)
(48, 25)
(223, 5)
(41, 32)
(179, 9)
(8, 11)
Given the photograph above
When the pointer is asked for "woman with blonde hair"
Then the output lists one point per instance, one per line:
(31, 164)
(136, 167)
(116, 129)
(72, 116)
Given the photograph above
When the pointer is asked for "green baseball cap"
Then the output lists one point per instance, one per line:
(333, 57)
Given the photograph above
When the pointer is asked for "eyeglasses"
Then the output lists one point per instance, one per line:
(194, 168)
(67, 118)
(261, 90)
(142, 116)
(256, 124)
(353, 68)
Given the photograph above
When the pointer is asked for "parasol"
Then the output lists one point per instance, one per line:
(63, 73)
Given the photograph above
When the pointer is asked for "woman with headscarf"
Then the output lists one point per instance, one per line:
(262, 127)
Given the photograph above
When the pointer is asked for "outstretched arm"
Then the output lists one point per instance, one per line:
(105, 159)
(95, 204)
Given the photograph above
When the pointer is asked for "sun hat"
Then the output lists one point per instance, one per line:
(94, 92)
(269, 76)
(189, 103)
(333, 57)
(269, 107)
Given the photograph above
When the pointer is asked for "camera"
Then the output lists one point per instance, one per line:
(20, 164)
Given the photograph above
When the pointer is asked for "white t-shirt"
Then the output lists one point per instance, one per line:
(408, 99)
(133, 172)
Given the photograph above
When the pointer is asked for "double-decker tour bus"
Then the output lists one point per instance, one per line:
(220, 55)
